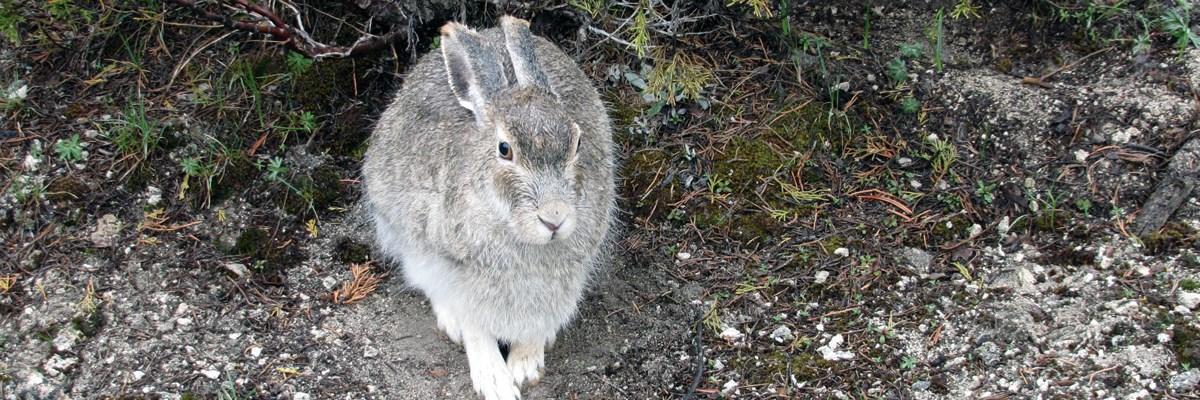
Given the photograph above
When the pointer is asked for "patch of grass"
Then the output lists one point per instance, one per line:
(135, 135)
(10, 20)
(937, 39)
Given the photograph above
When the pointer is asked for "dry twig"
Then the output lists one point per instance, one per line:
(363, 281)
(269, 23)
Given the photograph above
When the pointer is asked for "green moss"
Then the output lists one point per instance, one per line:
(348, 251)
(648, 184)
(1187, 344)
(66, 190)
(955, 229)
(88, 324)
(238, 173)
(320, 190)
(268, 253)
(1005, 65)
(250, 242)
(317, 88)
(1172, 236)
(772, 366)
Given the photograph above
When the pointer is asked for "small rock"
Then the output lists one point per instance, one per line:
(917, 259)
(66, 338)
(301, 396)
(683, 256)
(732, 334)
(238, 269)
(904, 161)
(153, 196)
(782, 334)
(106, 231)
(729, 387)
(920, 385)
(255, 351)
(1185, 381)
(138, 375)
(1081, 155)
(1188, 299)
(842, 251)
(370, 352)
(989, 353)
(211, 374)
(718, 365)
(830, 350)
(821, 277)
(57, 364)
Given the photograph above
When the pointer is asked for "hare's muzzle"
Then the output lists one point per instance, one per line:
(558, 218)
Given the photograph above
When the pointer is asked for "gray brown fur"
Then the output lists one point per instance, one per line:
(457, 216)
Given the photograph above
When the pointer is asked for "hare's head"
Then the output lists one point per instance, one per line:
(531, 141)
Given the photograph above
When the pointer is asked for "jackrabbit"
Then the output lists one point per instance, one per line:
(490, 179)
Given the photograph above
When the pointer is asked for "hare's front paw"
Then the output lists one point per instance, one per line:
(489, 374)
(448, 324)
(527, 361)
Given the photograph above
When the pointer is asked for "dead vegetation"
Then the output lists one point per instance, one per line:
(785, 158)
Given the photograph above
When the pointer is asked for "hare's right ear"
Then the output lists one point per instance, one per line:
(521, 50)
(473, 71)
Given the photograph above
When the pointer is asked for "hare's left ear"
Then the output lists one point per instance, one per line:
(519, 42)
(474, 72)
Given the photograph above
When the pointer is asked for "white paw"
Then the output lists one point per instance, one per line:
(489, 374)
(526, 362)
(448, 324)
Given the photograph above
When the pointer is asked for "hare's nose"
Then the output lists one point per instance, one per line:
(550, 225)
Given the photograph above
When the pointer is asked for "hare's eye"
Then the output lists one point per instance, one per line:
(505, 151)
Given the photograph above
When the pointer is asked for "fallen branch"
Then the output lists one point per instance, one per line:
(269, 23)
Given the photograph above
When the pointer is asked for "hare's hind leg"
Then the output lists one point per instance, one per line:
(489, 373)
(527, 361)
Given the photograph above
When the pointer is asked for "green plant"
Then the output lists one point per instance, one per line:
(907, 362)
(897, 71)
(229, 391)
(911, 51)
(14, 95)
(66, 10)
(1177, 22)
(936, 39)
(640, 28)
(276, 172)
(297, 63)
(10, 19)
(719, 186)
(135, 135)
(760, 8)
(943, 157)
(69, 149)
(964, 9)
(1084, 206)
(985, 192)
(1141, 43)
(591, 7)
(910, 105)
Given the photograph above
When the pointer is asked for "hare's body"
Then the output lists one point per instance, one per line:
(502, 241)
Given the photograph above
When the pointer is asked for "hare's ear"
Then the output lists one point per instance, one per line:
(519, 42)
(474, 72)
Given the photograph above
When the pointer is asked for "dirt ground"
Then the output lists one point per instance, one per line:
(911, 200)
